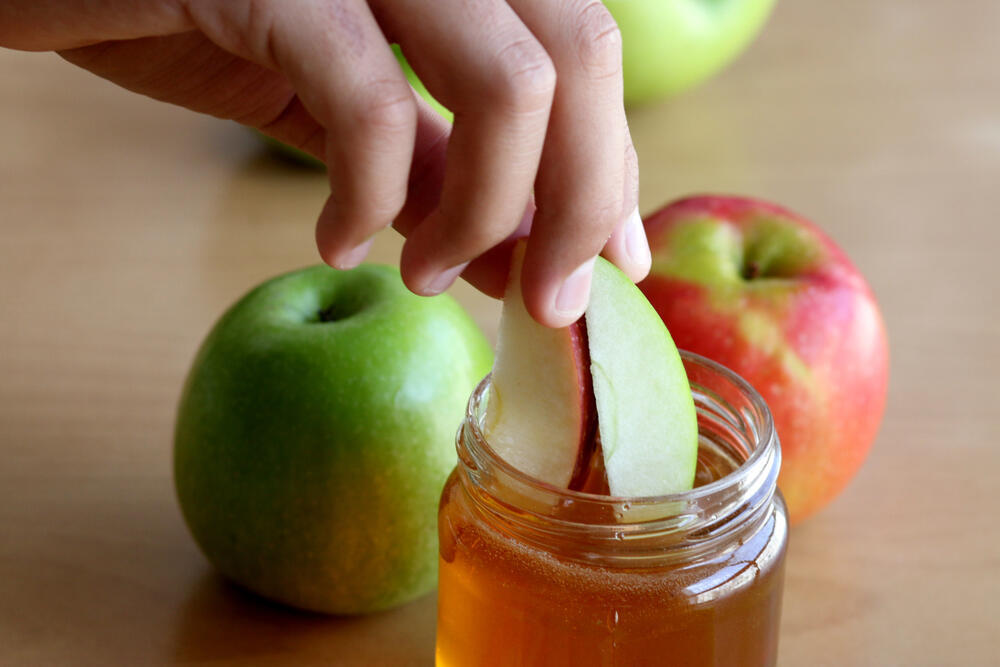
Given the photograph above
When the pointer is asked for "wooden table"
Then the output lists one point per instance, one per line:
(126, 226)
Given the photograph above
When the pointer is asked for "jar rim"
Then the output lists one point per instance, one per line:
(765, 434)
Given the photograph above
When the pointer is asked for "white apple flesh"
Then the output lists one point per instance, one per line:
(645, 411)
(540, 413)
(618, 365)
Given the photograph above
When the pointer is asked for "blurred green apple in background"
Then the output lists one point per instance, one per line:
(315, 432)
(298, 156)
(419, 86)
(668, 46)
(671, 45)
(289, 153)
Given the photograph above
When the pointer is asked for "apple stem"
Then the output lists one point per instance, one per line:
(751, 270)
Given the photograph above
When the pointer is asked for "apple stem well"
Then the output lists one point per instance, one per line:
(332, 313)
(341, 308)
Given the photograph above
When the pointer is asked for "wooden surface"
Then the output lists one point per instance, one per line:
(126, 226)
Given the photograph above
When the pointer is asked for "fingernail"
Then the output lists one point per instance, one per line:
(355, 256)
(573, 294)
(443, 280)
(636, 244)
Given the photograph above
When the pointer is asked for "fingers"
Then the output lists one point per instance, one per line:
(498, 80)
(341, 94)
(581, 183)
(348, 79)
(487, 272)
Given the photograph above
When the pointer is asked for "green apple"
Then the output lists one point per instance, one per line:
(315, 432)
(619, 361)
(670, 45)
(298, 156)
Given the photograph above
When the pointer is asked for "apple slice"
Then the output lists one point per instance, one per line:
(645, 412)
(540, 412)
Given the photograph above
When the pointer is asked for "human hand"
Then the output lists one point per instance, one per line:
(535, 87)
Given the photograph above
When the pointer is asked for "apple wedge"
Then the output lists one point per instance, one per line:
(540, 412)
(617, 366)
(645, 411)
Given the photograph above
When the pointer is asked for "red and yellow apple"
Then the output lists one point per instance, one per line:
(766, 293)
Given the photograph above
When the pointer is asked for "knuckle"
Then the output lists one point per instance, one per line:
(386, 106)
(598, 41)
(526, 78)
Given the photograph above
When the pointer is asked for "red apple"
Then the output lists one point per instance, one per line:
(765, 292)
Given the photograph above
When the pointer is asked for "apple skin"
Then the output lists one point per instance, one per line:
(763, 291)
(614, 372)
(541, 416)
(671, 45)
(668, 46)
(419, 86)
(289, 153)
(300, 157)
(646, 415)
(309, 455)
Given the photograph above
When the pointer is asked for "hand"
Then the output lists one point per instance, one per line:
(535, 87)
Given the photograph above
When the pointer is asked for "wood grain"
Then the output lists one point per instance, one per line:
(126, 226)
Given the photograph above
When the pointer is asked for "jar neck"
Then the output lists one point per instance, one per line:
(734, 426)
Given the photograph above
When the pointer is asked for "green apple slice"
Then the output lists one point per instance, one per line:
(645, 412)
(540, 411)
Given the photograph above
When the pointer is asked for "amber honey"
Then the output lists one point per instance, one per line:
(536, 576)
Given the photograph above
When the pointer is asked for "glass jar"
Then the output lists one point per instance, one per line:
(534, 575)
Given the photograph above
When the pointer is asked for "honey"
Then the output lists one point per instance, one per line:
(533, 575)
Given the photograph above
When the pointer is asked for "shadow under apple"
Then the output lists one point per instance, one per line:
(222, 623)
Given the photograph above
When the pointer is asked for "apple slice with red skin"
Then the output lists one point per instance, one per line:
(618, 363)
(540, 414)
